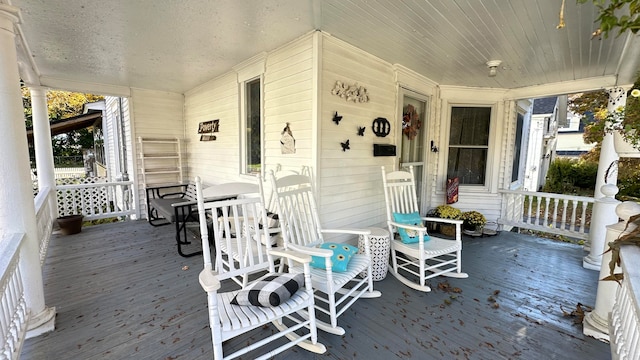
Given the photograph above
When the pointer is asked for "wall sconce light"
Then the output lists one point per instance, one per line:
(493, 67)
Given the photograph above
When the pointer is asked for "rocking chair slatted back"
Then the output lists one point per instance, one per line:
(299, 210)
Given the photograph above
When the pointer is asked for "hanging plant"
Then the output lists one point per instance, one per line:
(410, 122)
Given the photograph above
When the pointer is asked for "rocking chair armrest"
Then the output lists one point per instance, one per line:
(441, 220)
(325, 253)
(209, 280)
(347, 231)
(409, 226)
(293, 255)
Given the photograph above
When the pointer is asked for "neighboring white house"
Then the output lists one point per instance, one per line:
(542, 141)
(570, 142)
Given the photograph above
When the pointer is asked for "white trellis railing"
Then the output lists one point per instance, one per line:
(553, 213)
(44, 218)
(624, 324)
(13, 312)
(95, 198)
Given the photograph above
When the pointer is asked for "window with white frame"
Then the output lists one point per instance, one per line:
(469, 144)
(252, 126)
(517, 150)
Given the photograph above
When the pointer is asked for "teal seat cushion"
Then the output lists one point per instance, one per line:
(409, 236)
(342, 253)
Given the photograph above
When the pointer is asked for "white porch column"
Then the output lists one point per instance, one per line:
(596, 322)
(17, 210)
(604, 213)
(608, 154)
(42, 142)
(607, 161)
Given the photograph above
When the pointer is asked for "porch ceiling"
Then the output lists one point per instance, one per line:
(176, 45)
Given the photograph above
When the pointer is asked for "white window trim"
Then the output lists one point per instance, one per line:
(524, 145)
(248, 71)
(490, 171)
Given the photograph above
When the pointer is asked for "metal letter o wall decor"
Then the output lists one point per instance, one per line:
(381, 127)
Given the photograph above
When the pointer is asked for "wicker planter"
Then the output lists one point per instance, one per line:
(448, 229)
(70, 224)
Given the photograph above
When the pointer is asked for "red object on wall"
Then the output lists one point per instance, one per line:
(452, 190)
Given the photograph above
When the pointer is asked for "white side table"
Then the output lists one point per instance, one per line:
(379, 243)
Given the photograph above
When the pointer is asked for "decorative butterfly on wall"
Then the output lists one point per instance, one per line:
(337, 118)
(345, 145)
(361, 130)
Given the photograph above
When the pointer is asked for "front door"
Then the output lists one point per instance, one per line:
(412, 145)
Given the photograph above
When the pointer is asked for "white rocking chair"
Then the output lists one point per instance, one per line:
(227, 320)
(413, 264)
(301, 231)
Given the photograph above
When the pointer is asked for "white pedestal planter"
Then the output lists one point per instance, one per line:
(623, 148)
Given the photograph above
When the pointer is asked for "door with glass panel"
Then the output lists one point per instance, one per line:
(412, 145)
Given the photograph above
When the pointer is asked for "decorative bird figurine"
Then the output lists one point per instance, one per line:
(361, 131)
(345, 145)
(337, 118)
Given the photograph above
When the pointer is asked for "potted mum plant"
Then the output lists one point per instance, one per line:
(474, 221)
(448, 212)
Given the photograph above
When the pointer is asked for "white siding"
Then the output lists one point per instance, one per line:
(350, 182)
(214, 161)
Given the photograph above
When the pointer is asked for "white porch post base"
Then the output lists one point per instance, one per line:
(41, 323)
(604, 213)
(596, 327)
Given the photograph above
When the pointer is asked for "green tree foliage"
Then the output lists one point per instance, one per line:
(623, 15)
(569, 176)
(62, 105)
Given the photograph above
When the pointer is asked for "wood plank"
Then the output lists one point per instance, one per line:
(121, 292)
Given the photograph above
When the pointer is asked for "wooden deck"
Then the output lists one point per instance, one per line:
(121, 291)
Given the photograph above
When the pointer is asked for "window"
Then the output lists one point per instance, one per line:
(469, 144)
(252, 127)
(515, 169)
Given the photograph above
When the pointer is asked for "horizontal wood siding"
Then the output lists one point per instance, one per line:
(214, 161)
(350, 183)
(154, 114)
(288, 98)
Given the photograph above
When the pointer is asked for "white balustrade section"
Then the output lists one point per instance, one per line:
(97, 200)
(13, 311)
(624, 323)
(552, 213)
(44, 218)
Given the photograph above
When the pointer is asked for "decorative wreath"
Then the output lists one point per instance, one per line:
(410, 122)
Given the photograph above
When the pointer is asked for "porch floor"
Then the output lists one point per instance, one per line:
(122, 291)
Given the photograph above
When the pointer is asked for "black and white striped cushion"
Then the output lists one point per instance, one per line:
(270, 291)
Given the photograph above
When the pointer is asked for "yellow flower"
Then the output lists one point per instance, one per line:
(635, 93)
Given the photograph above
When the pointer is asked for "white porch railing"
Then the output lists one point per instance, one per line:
(624, 324)
(97, 199)
(13, 313)
(44, 219)
(547, 212)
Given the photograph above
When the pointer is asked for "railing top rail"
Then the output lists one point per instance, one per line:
(41, 197)
(91, 185)
(9, 245)
(630, 255)
(550, 195)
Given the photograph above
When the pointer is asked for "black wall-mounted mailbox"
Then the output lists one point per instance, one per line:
(384, 150)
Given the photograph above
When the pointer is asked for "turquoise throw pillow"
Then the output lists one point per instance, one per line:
(409, 236)
(342, 253)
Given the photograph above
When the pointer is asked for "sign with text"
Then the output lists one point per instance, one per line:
(207, 128)
(210, 126)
